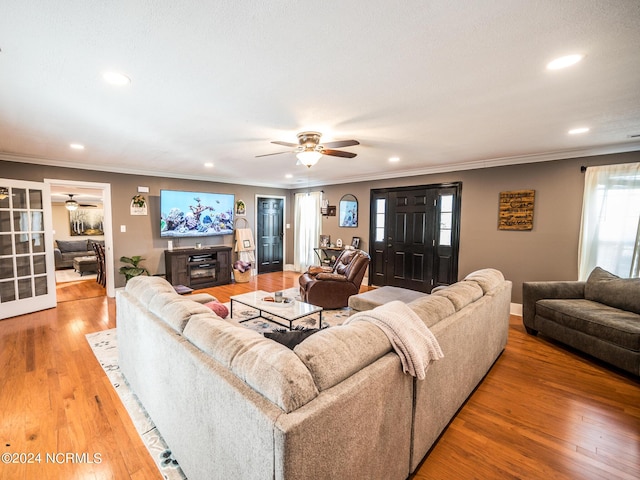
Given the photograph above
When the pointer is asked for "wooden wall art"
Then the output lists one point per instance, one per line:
(516, 210)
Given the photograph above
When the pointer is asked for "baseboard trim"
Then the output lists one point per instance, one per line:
(516, 309)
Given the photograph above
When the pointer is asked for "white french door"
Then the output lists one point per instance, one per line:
(27, 273)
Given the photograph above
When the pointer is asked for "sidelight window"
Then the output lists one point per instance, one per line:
(380, 219)
(446, 220)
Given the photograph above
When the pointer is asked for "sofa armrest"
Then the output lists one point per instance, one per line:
(336, 277)
(534, 291)
(57, 256)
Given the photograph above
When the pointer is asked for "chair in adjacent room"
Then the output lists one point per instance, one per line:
(331, 287)
(101, 278)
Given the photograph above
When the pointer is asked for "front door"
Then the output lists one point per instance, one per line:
(27, 272)
(270, 234)
(415, 234)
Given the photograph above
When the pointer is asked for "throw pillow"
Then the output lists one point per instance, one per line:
(218, 308)
(609, 289)
(290, 338)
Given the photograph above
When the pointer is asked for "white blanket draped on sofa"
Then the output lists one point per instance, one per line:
(411, 339)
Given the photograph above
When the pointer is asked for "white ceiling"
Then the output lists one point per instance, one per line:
(442, 85)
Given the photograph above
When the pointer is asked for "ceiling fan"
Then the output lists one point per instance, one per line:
(73, 205)
(309, 150)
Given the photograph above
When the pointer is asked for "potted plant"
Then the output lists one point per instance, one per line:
(132, 269)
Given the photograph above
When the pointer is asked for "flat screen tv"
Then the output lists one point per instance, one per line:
(195, 214)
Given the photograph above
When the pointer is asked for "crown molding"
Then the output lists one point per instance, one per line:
(356, 178)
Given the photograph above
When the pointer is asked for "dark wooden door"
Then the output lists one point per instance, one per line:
(410, 230)
(415, 236)
(269, 234)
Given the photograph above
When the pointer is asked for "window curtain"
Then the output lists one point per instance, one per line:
(610, 230)
(308, 229)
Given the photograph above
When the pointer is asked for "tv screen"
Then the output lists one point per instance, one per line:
(195, 214)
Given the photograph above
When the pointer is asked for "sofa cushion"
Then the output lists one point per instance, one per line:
(487, 278)
(68, 246)
(269, 368)
(175, 310)
(461, 294)
(144, 288)
(607, 288)
(334, 354)
(432, 308)
(619, 327)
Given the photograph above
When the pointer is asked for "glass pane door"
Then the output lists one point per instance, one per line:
(27, 278)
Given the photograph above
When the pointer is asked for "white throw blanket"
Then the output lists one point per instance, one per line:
(412, 340)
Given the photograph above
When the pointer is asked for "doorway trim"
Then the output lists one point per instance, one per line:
(107, 224)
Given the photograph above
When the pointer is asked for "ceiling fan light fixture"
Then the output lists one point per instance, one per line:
(71, 204)
(309, 157)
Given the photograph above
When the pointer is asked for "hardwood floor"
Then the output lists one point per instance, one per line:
(542, 412)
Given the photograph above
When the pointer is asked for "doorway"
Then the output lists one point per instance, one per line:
(270, 233)
(415, 236)
(89, 195)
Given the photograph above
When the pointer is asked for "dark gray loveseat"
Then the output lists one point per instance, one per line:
(600, 317)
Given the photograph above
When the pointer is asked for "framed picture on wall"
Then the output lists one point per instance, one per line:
(348, 211)
(86, 221)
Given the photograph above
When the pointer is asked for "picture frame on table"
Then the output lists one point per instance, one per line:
(325, 241)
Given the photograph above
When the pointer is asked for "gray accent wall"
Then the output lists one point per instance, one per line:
(548, 252)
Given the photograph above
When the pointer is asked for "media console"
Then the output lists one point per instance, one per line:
(198, 267)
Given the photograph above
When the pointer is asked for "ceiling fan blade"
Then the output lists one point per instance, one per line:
(338, 153)
(341, 143)
(269, 154)
(286, 144)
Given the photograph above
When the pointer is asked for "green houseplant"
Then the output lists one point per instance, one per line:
(132, 269)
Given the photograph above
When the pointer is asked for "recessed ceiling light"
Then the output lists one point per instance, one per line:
(288, 175)
(116, 78)
(76, 146)
(577, 131)
(564, 62)
(208, 165)
(394, 159)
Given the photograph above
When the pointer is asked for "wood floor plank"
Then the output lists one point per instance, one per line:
(544, 411)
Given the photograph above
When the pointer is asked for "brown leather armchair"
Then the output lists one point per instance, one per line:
(332, 287)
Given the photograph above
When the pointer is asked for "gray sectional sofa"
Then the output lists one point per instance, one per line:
(600, 316)
(66, 250)
(233, 404)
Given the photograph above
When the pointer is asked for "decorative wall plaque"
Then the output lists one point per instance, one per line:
(516, 210)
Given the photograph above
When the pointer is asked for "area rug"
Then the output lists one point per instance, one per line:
(70, 275)
(104, 345)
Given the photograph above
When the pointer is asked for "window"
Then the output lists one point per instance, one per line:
(610, 231)
(307, 230)
(446, 220)
(380, 219)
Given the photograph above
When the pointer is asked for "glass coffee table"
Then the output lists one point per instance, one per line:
(287, 312)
